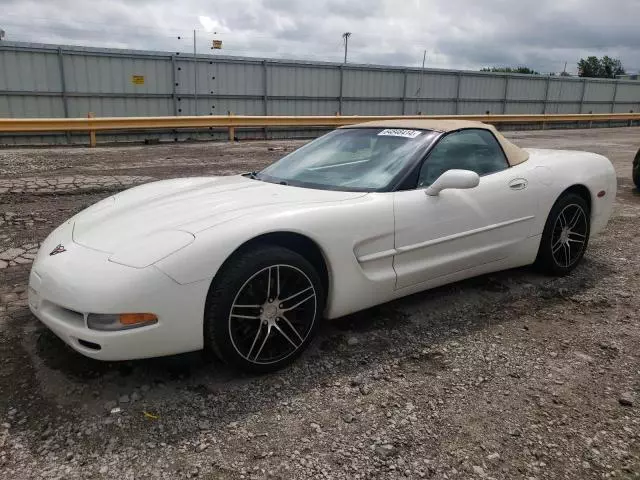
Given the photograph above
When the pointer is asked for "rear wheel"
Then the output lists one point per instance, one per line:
(565, 236)
(263, 309)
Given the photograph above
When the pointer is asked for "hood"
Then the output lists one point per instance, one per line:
(188, 204)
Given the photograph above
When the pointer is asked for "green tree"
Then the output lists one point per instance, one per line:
(605, 67)
(525, 70)
(590, 67)
(612, 67)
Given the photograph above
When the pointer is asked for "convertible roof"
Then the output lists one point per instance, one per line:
(515, 154)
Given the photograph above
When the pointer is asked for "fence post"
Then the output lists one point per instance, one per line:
(173, 85)
(613, 100)
(615, 94)
(546, 100)
(504, 96)
(546, 95)
(63, 86)
(232, 130)
(584, 89)
(265, 96)
(92, 133)
(404, 93)
(341, 89)
(458, 82)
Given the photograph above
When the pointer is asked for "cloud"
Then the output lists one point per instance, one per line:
(207, 23)
(466, 34)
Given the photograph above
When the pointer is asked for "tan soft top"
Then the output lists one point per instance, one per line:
(515, 154)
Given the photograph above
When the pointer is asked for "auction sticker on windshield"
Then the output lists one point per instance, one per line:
(398, 132)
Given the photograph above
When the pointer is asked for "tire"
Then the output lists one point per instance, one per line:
(636, 170)
(252, 332)
(562, 248)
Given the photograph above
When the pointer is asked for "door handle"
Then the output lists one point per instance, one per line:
(518, 184)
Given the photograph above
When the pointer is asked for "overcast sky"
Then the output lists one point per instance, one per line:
(466, 34)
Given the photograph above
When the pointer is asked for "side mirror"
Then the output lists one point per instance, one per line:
(453, 179)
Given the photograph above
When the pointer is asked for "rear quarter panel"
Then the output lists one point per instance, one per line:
(559, 170)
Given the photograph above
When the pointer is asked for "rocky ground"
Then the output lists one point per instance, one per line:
(511, 375)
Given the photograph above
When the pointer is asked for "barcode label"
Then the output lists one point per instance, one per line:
(398, 132)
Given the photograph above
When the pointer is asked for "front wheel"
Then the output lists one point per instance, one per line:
(565, 235)
(263, 309)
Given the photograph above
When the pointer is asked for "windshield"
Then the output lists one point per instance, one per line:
(350, 159)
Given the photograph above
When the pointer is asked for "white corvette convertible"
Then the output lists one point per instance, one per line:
(249, 265)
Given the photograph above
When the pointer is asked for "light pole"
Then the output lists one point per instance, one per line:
(419, 91)
(346, 36)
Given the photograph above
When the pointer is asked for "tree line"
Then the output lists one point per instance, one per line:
(590, 67)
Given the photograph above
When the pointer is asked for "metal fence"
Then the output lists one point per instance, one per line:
(39, 80)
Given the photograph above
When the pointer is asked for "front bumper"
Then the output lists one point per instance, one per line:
(65, 288)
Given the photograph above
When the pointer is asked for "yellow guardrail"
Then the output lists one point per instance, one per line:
(93, 124)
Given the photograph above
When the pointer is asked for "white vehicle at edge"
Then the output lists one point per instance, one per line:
(248, 265)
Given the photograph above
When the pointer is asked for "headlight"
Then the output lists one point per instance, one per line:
(152, 248)
(124, 321)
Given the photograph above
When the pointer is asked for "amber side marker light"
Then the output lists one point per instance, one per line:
(123, 321)
(136, 318)
(601, 193)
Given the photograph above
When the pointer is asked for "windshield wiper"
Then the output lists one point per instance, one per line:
(254, 176)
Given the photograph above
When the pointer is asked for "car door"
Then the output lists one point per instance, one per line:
(459, 229)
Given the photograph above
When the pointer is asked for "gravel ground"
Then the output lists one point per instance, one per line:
(510, 375)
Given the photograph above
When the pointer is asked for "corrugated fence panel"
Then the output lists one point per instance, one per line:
(303, 107)
(12, 140)
(628, 93)
(31, 106)
(429, 107)
(237, 106)
(5, 110)
(481, 86)
(29, 71)
(599, 91)
(207, 77)
(372, 83)
(434, 85)
(627, 107)
(566, 90)
(526, 88)
(104, 74)
(479, 108)
(285, 80)
(554, 107)
(144, 76)
(119, 106)
(596, 108)
(231, 79)
(92, 74)
(371, 107)
(522, 108)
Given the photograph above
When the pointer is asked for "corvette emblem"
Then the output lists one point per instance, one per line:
(59, 249)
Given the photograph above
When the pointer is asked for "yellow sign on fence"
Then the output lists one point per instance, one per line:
(137, 79)
(216, 44)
